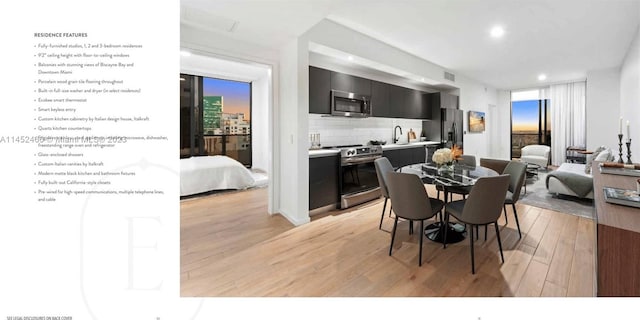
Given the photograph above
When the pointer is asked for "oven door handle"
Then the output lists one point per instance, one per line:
(346, 162)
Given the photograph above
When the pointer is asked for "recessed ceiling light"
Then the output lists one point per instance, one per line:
(497, 32)
(350, 58)
(542, 77)
(185, 53)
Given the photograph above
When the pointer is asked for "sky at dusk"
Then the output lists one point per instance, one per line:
(525, 115)
(236, 96)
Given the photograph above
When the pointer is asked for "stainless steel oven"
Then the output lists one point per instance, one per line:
(358, 180)
(349, 104)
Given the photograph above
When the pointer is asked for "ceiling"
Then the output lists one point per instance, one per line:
(560, 38)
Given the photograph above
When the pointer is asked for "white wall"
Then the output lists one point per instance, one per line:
(261, 146)
(630, 95)
(476, 97)
(603, 105)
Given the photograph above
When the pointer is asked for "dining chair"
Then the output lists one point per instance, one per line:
(467, 161)
(516, 171)
(481, 207)
(411, 202)
(383, 166)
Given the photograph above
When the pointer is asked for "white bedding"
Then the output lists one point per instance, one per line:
(207, 173)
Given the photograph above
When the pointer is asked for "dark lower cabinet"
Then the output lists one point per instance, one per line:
(323, 181)
(405, 156)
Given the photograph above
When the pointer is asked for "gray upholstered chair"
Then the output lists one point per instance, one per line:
(383, 166)
(496, 165)
(467, 161)
(482, 207)
(516, 171)
(411, 202)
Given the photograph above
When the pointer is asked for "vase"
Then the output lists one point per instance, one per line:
(445, 168)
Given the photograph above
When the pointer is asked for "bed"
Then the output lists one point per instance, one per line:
(207, 173)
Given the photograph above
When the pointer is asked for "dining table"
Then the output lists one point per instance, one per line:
(458, 176)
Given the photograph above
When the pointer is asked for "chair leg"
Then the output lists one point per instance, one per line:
(477, 232)
(473, 263)
(445, 226)
(515, 214)
(390, 209)
(485, 232)
(410, 226)
(499, 241)
(506, 221)
(393, 234)
(384, 208)
(421, 236)
(438, 195)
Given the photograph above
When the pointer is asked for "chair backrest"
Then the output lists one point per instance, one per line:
(496, 165)
(383, 166)
(516, 171)
(484, 203)
(536, 150)
(467, 160)
(408, 196)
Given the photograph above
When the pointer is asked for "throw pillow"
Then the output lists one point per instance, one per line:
(594, 155)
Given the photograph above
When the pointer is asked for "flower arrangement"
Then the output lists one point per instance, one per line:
(442, 156)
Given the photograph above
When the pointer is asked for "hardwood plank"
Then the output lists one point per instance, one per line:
(581, 279)
(533, 280)
(551, 289)
(230, 246)
(560, 267)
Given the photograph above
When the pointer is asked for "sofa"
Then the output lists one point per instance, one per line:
(536, 154)
(575, 179)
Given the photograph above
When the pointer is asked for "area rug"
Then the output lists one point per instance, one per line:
(538, 196)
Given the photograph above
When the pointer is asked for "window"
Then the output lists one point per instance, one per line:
(215, 118)
(530, 120)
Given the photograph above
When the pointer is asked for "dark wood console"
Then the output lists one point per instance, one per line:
(618, 239)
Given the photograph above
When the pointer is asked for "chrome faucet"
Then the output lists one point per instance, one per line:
(395, 137)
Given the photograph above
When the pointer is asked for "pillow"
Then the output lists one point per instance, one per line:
(592, 157)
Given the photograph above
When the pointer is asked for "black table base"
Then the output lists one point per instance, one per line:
(435, 232)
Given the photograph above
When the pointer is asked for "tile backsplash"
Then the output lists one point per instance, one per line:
(343, 131)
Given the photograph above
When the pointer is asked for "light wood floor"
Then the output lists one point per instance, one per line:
(230, 246)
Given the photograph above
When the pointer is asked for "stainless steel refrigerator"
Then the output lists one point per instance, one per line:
(451, 127)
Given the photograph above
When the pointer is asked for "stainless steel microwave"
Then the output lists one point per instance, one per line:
(348, 104)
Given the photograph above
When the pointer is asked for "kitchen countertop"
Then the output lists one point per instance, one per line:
(331, 152)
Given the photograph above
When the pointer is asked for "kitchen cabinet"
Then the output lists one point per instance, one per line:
(387, 100)
(323, 181)
(348, 83)
(443, 100)
(380, 99)
(405, 156)
(319, 90)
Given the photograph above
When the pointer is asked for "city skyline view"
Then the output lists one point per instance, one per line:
(235, 94)
(524, 116)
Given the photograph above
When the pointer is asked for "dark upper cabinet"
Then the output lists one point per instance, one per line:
(349, 83)
(387, 101)
(443, 100)
(319, 90)
(397, 102)
(380, 99)
(323, 181)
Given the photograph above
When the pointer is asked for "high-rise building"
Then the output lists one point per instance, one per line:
(213, 107)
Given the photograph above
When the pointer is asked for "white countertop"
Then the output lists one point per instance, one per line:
(409, 145)
(331, 152)
(323, 153)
